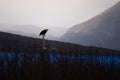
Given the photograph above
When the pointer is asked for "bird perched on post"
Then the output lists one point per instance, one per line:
(43, 32)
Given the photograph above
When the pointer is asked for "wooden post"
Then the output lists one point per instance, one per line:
(43, 46)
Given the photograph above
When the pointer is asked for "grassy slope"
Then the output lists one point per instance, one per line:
(12, 42)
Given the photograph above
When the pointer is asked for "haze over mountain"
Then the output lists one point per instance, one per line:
(102, 30)
(25, 30)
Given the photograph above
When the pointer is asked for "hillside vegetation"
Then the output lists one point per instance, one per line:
(15, 43)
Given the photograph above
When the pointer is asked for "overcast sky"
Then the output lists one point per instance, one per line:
(57, 15)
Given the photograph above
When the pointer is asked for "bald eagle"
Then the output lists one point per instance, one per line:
(43, 32)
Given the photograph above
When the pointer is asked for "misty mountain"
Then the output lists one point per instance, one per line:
(102, 30)
(24, 30)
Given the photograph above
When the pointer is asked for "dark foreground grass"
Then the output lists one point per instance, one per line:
(29, 67)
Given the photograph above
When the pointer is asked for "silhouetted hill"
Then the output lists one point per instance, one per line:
(102, 30)
(16, 43)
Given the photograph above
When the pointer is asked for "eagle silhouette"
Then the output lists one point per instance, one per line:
(43, 32)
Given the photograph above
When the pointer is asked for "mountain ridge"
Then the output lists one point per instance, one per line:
(101, 30)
